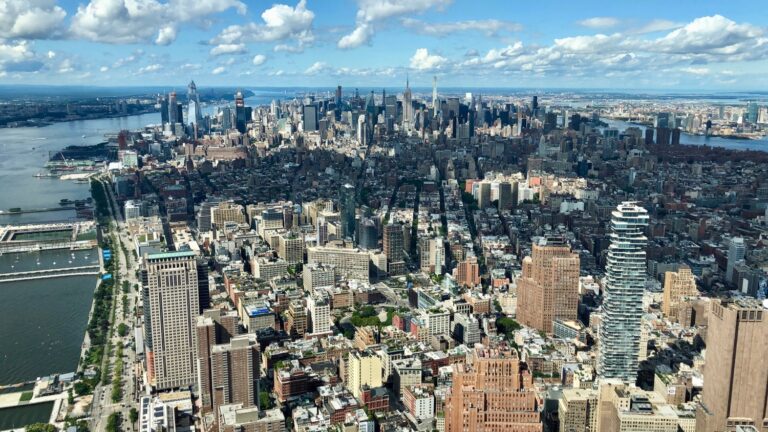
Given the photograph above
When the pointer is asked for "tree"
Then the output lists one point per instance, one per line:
(264, 400)
(40, 427)
(122, 329)
(133, 415)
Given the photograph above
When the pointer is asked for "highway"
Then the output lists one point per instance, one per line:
(103, 406)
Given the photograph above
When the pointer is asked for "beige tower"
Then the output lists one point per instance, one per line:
(549, 286)
(493, 393)
(677, 286)
(735, 372)
(171, 301)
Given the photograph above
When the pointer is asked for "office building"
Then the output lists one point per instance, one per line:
(309, 117)
(290, 247)
(678, 286)
(225, 212)
(548, 288)
(393, 242)
(171, 304)
(349, 263)
(619, 335)
(296, 322)
(407, 106)
(240, 117)
(735, 374)
(493, 392)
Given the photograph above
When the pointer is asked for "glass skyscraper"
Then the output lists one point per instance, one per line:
(623, 299)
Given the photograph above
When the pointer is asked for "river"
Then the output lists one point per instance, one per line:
(713, 141)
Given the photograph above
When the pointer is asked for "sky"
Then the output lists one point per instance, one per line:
(685, 44)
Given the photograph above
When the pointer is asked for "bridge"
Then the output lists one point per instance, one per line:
(50, 273)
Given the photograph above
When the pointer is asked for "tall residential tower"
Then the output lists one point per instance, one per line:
(623, 296)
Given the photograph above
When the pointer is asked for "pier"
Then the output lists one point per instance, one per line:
(22, 238)
(50, 273)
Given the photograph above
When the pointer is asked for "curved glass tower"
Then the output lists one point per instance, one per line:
(623, 294)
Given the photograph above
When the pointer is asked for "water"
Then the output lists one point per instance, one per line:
(685, 138)
(21, 416)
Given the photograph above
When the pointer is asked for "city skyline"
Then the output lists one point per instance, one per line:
(314, 44)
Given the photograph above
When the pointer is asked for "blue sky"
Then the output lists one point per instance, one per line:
(683, 44)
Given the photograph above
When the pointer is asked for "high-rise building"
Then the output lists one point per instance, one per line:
(240, 117)
(171, 305)
(213, 327)
(194, 113)
(623, 294)
(347, 205)
(507, 195)
(548, 289)
(393, 242)
(368, 234)
(677, 286)
(493, 392)
(290, 247)
(407, 106)
(235, 372)
(737, 249)
(173, 109)
(735, 376)
(296, 318)
(162, 105)
(435, 105)
(309, 117)
(363, 368)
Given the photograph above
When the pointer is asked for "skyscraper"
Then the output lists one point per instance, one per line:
(434, 97)
(213, 327)
(194, 115)
(171, 299)
(162, 105)
(677, 286)
(493, 393)
(735, 376)
(549, 286)
(736, 252)
(309, 117)
(240, 118)
(347, 210)
(407, 106)
(623, 296)
(173, 109)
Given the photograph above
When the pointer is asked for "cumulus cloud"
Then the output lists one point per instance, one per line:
(280, 23)
(599, 22)
(259, 59)
(136, 21)
(422, 60)
(370, 12)
(103, 69)
(30, 19)
(166, 35)
(66, 66)
(316, 68)
(219, 70)
(225, 49)
(490, 27)
(657, 25)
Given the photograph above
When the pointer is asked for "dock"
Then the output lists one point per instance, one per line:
(50, 273)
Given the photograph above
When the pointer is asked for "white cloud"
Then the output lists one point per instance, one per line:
(280, 22)
(66, 66)
(219, 70)
(696, 70)
(30, 19)
(488, 27)
(599, 22)
(422, 60)
(103, 69)
(370, 12)
(714, 37)
(259, 59)
(51, 54)
(156, 67)
(137, 21)
(359, 36)
(595, 43)
(224, 49)
(316, 68)
(657, 25)
(166, 35)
